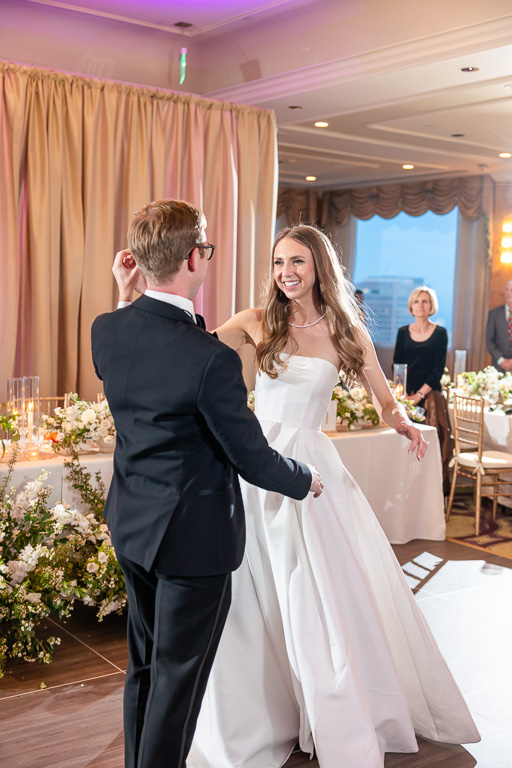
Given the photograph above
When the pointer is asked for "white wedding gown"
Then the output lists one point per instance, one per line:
(325, 644)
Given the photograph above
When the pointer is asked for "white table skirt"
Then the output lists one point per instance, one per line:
(406, 495)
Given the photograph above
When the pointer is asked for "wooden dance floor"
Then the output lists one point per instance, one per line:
(68, 714)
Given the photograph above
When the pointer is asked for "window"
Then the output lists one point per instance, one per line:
(394, 256)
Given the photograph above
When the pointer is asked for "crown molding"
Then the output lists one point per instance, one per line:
(457, 42)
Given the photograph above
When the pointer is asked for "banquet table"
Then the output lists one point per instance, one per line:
(405, 494)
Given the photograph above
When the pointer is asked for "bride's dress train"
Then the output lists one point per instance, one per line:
(325, 643)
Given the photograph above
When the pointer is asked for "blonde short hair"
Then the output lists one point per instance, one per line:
(161, 236)
(434, 304)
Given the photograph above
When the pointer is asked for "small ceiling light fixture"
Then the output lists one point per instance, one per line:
(457, 135)
(310, 178)
(509, 86)
(407, 166)
(321, 124)
(470, 69)
(294, 106)
(505, 154)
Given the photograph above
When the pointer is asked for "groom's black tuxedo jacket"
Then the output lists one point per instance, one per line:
(183, 433)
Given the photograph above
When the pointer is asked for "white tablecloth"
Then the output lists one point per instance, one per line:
(25, 471)
(406, 495)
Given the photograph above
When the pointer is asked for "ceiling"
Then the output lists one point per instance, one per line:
(386, 77)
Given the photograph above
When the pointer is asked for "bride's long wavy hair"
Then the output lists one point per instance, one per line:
(336, 299)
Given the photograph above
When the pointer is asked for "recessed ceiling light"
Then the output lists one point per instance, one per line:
(505, 154)
(321, 124)
(458, 135)
(469, 69)
(294, 106)
(183, 24)
(310, 178)
(509, 86)
(407, 166)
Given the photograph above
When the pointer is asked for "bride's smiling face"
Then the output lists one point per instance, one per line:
(294, 269)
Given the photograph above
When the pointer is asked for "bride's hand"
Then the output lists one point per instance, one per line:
(317, 484)
(412, 433)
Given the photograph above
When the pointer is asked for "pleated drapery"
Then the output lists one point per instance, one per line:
(387, 200)
(78, 157)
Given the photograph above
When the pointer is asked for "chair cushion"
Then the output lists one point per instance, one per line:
(490, 460)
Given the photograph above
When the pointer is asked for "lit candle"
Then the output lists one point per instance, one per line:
(460, 381)
(30, 422)
(399, 390)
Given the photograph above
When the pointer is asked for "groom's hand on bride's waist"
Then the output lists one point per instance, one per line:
(317, 484)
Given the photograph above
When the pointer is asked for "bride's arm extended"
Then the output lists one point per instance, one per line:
(242, 328)
(389, 410)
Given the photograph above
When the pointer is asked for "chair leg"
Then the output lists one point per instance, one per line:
(495, 496)
(478, 501)
(452, 490)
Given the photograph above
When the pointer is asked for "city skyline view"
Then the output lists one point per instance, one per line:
(421, 249)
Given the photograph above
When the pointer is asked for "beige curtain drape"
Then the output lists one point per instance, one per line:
(78, 157)
(387, 200)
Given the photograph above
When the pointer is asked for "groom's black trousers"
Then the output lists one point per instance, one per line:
(174, 627)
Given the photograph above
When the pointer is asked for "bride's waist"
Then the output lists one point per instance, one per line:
(288, 422)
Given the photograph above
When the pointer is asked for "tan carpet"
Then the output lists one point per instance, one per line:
(495, 535)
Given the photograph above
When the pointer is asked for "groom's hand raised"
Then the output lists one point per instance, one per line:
(317, 484)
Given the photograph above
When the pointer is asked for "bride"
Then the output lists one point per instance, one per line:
(324, 644)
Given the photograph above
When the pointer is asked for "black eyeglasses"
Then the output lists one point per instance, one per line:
(204, 247)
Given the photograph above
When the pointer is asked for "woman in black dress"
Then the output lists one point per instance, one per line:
(422, 345)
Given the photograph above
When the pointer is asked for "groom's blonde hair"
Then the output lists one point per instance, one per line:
(161, 236)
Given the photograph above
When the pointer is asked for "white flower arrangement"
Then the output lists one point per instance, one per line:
(491, 384)
(80, 424)
(49, 558)
(354, 407)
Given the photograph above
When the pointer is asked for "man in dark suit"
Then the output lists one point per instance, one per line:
(499, 332)
(174, 507)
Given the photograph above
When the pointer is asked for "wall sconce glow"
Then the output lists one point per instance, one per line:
(321, 124)
(505, 154)
(310, 178)
(506, 241)
(407, 166)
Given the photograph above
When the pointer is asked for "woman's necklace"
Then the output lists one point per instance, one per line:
(308, 325)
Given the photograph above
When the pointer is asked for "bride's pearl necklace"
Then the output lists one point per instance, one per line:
(308, 325)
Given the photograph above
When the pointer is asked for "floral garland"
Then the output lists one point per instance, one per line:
(49, 558)
(80, 424)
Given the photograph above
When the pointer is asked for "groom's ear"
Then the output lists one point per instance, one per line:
(192, 260)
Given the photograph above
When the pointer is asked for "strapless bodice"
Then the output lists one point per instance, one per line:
(300, 395)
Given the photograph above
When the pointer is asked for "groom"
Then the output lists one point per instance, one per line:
(174, 507)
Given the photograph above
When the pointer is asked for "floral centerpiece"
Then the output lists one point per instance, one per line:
(51, 556)
(354, 407)
(80, 424)
(491, 384)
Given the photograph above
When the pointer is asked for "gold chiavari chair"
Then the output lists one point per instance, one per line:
(470, 460)
(47, 405)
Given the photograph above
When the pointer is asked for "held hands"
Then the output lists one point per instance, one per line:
(317, 485)
(128, 276)
(412, 433)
